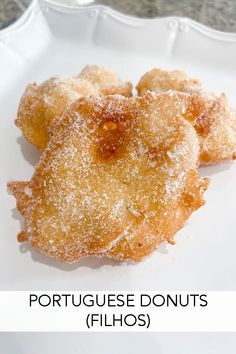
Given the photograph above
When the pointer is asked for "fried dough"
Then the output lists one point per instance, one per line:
(117, 178)
(42, 105)
(212, 117)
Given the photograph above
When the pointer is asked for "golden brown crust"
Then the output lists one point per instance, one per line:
(42, 105)
(115, 180)
(212, 118)
(21, 192)
(159, 81)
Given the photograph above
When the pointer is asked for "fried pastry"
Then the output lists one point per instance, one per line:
(115, 180)
(212, 117)
(42, 105)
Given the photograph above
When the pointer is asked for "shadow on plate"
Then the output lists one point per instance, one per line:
(29, 151)
(87, 262)
(163, 248)
(16, 215)
(215, 169)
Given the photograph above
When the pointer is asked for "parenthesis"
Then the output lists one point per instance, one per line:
(87, 320)
(148, 324)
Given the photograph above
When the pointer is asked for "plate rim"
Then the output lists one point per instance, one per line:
(173, 21)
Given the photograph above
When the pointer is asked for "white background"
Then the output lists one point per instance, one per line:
(117, 343)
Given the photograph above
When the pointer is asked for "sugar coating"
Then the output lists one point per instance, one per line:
(41, 106)
(212, 117)
(117, 178)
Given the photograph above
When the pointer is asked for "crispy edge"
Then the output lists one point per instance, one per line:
(18, 190)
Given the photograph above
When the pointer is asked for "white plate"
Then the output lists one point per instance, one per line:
(61, 40)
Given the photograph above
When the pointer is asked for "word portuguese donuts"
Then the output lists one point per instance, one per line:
(118, 174)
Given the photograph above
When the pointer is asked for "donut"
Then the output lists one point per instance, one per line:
(211, 116)
(42, 105)
(117, 178)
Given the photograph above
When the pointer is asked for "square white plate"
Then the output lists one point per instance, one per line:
(51, 40)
